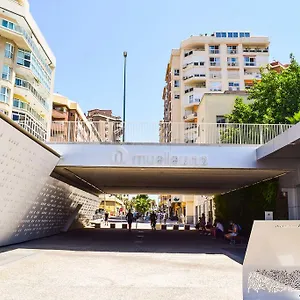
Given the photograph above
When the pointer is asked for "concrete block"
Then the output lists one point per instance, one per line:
(187, 227)
(176, 227)
(124, 226)
(112, 225)
(163, 227)
(97, 225)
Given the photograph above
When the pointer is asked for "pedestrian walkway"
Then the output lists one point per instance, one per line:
(114, 264)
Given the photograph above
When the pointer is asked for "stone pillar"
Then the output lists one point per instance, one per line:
(293, 195)
(190, 212)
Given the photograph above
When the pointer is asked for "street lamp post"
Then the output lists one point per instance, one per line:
(124, 94)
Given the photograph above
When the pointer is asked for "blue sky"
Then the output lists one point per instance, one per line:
(89, 40)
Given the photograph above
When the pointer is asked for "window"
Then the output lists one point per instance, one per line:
(6, 72)
(230, 34)
(176, 83)
(249, 61)
(234, 86)
(214, 61)
(176, 72)
(247, 34)
(21, 82)
(223, 34)
(232, 61)
(235, 34)
(4, 94)
(9, 50)
(176, 96)
(191, 98)
(15, 117)
(16, 103)
(242, 34)
(23, 58)
(214, 50)
(232, 49)
(188, 53)
(218, 34)
(220, 119)
(216, 86)
(8, 24)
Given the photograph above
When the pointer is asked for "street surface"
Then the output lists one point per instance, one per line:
(115, 264)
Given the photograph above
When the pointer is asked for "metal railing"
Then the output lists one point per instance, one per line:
(239, 134)
(166, 132)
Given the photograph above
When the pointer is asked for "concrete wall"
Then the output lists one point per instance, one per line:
(213, 105)
(32, 204)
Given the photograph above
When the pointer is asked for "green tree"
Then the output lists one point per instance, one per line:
(276, 98)
(142, 203)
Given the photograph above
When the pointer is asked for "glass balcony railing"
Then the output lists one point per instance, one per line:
(26, 85)
(250, 64)
(193, 76)
(232, 64)
(232, 51)
(214, 51)
(256, 50)
(19, 30)
(253, 74)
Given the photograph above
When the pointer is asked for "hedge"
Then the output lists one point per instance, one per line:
(248, 204)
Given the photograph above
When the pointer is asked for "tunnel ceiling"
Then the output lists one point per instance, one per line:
(161, 180)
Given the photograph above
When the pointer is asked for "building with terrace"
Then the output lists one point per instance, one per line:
(28, 66)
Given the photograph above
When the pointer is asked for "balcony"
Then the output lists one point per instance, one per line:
(232, 51)
(190, 117)
(256, 50)
(192, 103)
(232, 64)
(194, 78)
(252, 75)
(214, 64)
(215, 75)
(13, 32)
(193, 64)
(215, 89)
(233, 75)
(190, 55)
(250, 64)
(234, 89)
(26, 89)
(214, 51)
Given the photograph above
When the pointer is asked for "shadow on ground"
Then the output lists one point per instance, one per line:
(115, 240)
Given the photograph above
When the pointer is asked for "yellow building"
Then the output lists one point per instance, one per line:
(28, 66)
(69, 123)
(112, 204)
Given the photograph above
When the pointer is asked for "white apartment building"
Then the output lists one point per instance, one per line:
(222, 61)
(27, 68)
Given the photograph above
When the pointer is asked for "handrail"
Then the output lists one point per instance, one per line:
(18, 127)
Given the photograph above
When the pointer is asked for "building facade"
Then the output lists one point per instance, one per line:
(203, 78)
(108, 126)
(222, 61)
(69, 123)
(27, 65)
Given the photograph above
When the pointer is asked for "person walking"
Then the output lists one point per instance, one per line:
(106, 215)
(129, 218)
(153, 218)
(202, 224)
